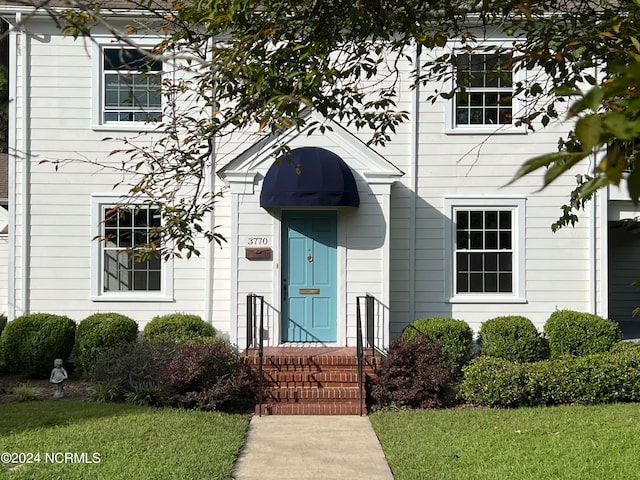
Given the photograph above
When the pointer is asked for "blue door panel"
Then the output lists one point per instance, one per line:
(309, 273)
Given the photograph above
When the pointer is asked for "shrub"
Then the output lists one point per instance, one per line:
(512, 338)
(30, 343)
(125, 367)
(576, 333)
(597, 378)
(412, 375)
(98, 333)
(455, 338)
(180, 328)
(493, 382)
(210, 376)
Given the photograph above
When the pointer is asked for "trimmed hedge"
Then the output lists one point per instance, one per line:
(455, 338)
(598, 378)
(29, 344)
(576, 333)
(98, 333)
(513, 338)
(412, 375)
(181, 328)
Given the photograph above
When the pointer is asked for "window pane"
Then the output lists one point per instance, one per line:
(462, 240)
(462, 283)
(475, 282)
(491, 262)
(506, 284)
(462, 261)
(476, 219)
(475, 261)
(491, 219)
(505, 240)
(505, 263)
(491, 282)
(476, 240)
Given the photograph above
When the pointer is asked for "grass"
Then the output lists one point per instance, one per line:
(573, 442)
(128, 441)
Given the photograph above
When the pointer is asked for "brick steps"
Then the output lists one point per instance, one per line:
(310, 381)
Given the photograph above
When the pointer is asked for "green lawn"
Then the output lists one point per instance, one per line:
(566, 443)
(74, 440)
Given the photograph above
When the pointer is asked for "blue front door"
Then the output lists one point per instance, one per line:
(309, 306)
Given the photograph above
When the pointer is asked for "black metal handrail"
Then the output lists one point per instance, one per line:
(255, 325)
(369, 306)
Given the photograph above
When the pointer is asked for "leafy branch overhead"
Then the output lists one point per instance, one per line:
(254, 66)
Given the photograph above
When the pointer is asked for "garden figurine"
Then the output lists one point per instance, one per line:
(58, 376)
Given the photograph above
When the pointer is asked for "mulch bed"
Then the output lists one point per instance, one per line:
(74, 389)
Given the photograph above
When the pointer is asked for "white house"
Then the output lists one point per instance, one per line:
(426, 225)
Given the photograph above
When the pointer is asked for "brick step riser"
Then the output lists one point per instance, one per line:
(303, 394)
(331, 376)
(288, 362)
(317, 408)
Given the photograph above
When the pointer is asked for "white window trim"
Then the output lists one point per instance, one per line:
(518, 204)
(518, 105)
(97, 80)
(98, 201)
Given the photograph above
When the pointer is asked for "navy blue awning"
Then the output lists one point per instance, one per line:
(309, 176)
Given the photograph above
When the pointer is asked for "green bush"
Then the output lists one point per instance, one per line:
(455, 338)
(412, 375)
(98, 333)
(579, 334)
(123, 371)
(180, 328)
(597, 378)
(30, 343)
(512, 338)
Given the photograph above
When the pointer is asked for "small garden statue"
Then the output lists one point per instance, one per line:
(58, 376)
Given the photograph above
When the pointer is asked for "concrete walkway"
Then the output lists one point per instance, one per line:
(314, 447)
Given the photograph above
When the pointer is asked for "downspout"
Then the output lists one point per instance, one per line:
(12, 149)
(415, 133)
(25, 154)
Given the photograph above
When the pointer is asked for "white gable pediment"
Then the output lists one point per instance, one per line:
(257, 159)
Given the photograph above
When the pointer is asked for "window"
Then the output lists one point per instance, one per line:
(484, 99)
(130, 87)
(484, 94)
(119, 273)
(485, 245)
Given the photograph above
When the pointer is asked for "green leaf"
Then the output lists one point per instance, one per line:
(589, 131)
(591, 100)
(555, 160)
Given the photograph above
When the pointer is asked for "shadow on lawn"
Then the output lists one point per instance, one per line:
(20, 417)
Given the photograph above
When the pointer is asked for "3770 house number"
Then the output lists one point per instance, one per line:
(258, 241)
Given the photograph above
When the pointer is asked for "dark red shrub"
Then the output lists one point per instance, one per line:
(412, 375)
(210, 376)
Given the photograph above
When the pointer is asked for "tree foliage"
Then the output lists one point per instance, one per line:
(254, 66)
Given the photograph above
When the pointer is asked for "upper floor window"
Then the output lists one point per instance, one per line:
(130, 88)
(484, 99)
(485, 90)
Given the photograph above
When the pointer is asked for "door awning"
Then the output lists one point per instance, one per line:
(309, 176)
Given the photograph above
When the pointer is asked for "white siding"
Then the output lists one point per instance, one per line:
(412, 285)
